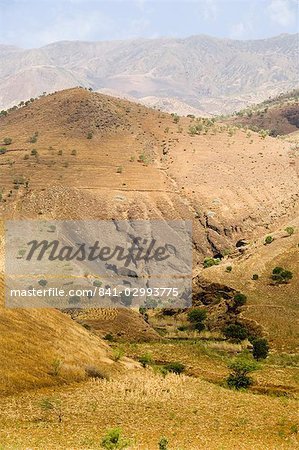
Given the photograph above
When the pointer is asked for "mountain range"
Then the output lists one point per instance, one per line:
(197, 75)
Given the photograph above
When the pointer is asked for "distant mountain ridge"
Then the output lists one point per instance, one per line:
(205, 74)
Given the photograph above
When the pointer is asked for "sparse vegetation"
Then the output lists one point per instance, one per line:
(113, 440)
(174, 367)
(209, 262)
(241, 367)
(281, 275)
(290, 230)
(197, 317)
(260, 348)
(269, 240)
(33, 138)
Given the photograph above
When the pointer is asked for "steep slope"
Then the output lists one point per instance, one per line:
(209, 74)
(116, 159)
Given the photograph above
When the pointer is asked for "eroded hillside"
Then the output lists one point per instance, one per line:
(78, 154)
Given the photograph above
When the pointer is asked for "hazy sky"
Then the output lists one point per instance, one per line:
(33, 23)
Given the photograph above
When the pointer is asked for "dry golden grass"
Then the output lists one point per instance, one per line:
(191, 413)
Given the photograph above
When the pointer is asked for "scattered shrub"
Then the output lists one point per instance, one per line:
(118, 353)
(55, 367)
(239, 300)
(163, 443)
(119, 169)
(145, 360)
(209, 262)
(109, 337)
(113, 440)
(241, 367)
(89, 135)
(33, 138)
(197, 316)
(175, 367)
(94, 372)
(281, 276)
(255, 276)
(269, 240)
(228, 269)
(53, 405)
(290, 230)
(7, 141)
(235, 332)
(260, 348)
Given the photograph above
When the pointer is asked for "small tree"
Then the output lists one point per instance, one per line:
(235, 332)
(241, 367)
(239, 300)
(197, 316)
(260, 348)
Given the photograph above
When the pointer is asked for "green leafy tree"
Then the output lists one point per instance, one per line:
(240, 368)
(235, 332)
(197, 316)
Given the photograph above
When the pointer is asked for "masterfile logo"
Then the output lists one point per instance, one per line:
(77, 264)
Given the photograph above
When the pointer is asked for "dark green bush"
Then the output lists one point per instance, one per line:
(260, 348)
(197, 316)
(235, 332)
(269, 240)
(281, 276)
(239, 300)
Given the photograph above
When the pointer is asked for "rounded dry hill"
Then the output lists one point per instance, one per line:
(78, 154)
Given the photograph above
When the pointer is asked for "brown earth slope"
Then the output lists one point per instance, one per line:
(95, 156)
(79, 155)
(280, 115)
